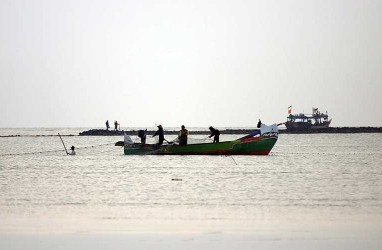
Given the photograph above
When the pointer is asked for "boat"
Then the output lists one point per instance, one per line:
(301, 122)
(260, 142)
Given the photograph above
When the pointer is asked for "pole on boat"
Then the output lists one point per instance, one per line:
(63, 144)
(169, 142)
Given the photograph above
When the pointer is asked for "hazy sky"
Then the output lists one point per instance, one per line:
(198, 63)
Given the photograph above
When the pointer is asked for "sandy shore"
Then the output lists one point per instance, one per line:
(44, 234)
(180, 241)
(208, 240)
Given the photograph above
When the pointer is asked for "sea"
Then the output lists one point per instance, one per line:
(313, 191)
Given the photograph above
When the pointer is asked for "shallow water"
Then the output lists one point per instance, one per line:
(327, 184)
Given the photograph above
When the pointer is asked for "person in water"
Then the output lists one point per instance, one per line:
(73, 152)
(107, 125)
(183, 135)
(259, 124)
(215, 133)
(160, 134)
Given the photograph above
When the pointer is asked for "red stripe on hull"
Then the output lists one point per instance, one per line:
(257, 138)
(262, 152)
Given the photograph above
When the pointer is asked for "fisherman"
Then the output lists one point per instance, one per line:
(142, 135)
(160, 133)
(116, 125)
(259, 124)
(183, 135)
(73, 152)
(107, 125)
(215, 133)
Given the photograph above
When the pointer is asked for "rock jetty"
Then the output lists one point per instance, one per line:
(338, 130)
(103, 132)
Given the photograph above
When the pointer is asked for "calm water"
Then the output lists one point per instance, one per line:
(308, 183)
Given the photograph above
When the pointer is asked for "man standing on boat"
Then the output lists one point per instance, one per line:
(183, 135)
(142, 135)
(215, 133)
(160, 133)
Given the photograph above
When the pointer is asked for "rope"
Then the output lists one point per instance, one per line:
(93, 146)
(31, 153)
(105, 151)
(59, 150)
(231, 158)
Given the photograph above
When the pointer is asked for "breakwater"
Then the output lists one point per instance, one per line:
(333, 130)
(336, 130)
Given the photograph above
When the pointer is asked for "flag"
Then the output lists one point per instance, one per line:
(289, 110)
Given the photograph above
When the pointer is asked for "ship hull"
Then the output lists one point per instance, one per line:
(301, 126)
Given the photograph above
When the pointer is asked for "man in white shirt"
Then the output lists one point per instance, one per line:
(73, 152)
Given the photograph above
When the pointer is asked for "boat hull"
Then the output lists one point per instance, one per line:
(261, 145)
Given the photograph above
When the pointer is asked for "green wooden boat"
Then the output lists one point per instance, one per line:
(260, 142)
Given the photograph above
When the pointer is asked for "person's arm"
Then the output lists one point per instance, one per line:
(212, 133)
(156, 133)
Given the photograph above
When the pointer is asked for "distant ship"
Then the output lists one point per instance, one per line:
(298, 122)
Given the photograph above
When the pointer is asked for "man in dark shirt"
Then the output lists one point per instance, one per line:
(160, 133)
(142, 135)
(215, 133)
